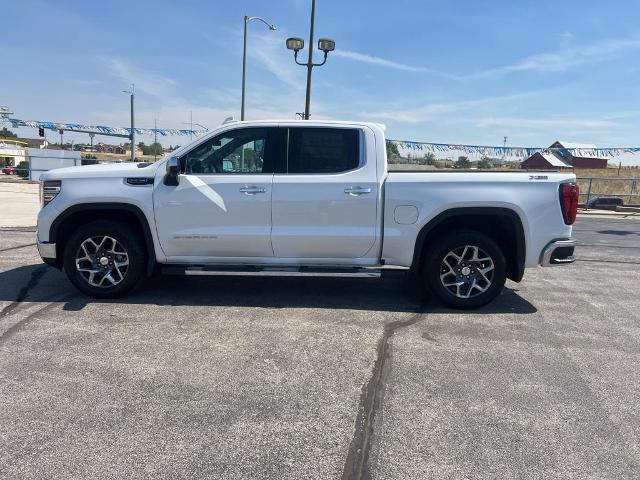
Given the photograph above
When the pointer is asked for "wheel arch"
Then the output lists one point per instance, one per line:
(503, 225)
(76, 215)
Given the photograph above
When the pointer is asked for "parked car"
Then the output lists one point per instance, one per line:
(604, 203)
(302, 198)
(9, 170)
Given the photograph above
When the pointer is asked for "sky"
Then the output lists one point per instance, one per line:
(463, 72)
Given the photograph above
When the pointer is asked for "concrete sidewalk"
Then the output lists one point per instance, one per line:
(20, 203)
(607, 214)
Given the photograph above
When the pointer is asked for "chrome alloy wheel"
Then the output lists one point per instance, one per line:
(102, 261)
(466, 271)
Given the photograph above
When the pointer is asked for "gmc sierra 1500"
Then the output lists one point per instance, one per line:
(302, 198)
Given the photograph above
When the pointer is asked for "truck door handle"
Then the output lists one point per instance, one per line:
(252, 190)
(356, 191)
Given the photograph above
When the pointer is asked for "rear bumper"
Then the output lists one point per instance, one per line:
(558, 252)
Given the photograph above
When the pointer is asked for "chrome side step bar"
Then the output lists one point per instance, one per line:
(268, 271)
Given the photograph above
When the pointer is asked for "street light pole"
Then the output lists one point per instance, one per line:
(244, 56)
(132, 135)
(155, 139)
(133, 128)
(504, 151)
(307, 100)
(296, 44)
(192, 123)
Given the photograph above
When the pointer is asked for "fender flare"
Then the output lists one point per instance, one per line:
(111, 206)
(512, 215)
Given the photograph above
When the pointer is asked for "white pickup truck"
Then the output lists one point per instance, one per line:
(302, 198)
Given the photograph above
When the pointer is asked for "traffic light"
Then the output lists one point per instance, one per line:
(41, 132)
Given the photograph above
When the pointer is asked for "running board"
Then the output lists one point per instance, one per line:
(267, 271)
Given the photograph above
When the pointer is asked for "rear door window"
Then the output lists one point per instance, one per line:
(323, 150)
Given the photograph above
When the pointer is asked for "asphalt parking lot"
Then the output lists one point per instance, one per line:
(235, 377)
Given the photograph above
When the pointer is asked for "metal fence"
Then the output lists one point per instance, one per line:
(623, 187)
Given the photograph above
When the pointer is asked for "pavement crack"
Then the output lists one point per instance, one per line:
(24, 291)
(17, 247)
(357, 463)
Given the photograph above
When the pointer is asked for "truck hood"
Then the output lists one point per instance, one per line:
(106, 170)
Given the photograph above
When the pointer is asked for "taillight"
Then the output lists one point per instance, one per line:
(569, 202)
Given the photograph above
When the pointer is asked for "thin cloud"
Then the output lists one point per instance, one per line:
(549, 122)
(431, 111)
(151, 83)
(373, 60)
(269, 52)
(384, 62)
(565, 59)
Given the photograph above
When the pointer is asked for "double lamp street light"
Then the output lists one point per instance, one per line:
(296, 44)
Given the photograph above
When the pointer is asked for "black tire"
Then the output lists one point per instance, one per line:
(127, 240)
(436, 272)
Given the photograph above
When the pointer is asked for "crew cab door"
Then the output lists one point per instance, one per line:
(222, 204)
(325, 205)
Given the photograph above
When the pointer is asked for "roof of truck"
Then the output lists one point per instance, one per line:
(306, 122)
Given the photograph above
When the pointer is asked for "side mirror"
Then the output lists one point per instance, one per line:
(173, 170)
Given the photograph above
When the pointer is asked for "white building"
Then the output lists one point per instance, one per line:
(12, 152)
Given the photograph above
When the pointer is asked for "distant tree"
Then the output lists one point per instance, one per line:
(429, 159)
(4, 133)
(462, 162)
(153, 149)
(392, 150)
(141, 145)
(485, 163)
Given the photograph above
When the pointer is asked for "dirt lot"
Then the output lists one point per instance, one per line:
(323, 378)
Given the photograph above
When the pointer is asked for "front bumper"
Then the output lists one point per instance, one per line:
(558, 252)
(46, 250)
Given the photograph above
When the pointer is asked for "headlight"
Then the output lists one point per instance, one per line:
(50, 189)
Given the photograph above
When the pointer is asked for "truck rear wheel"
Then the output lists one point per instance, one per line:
(104, 259)
(465, 269)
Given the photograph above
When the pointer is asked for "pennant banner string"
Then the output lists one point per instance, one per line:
(519, 152)
(104, 130)
(426, 147)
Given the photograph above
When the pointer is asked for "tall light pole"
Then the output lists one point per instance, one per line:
(244, 56)
(132, 136)
(504, 145)
(192, 123)
(296, 44)
(155, 139)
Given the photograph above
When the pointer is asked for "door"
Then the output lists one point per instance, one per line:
(325, 206)
(222, 204)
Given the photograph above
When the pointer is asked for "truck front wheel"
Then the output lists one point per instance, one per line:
(465, 269)
(104, 259)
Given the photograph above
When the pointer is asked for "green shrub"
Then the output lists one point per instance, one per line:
(23, 169)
